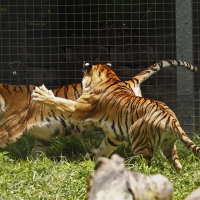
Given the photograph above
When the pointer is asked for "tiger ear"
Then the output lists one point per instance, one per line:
(109, 64)
(86, 67)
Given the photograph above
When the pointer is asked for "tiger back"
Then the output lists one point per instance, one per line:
(145, 124)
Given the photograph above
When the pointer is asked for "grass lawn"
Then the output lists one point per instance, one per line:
(63, 173)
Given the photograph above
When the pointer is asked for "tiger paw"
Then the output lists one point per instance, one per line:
(87, 156)
(92, 155)
(41, 94)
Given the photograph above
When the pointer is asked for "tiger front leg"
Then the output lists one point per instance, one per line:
(106, 147)
(43, 95)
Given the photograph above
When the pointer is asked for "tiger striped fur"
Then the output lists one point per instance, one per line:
(19, 114)
(40, 121)
(106, 101)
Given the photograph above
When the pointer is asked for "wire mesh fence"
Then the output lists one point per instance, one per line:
(47, 41)
(196, 53)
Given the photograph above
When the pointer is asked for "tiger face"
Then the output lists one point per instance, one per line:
(93, 78)
(95, 74)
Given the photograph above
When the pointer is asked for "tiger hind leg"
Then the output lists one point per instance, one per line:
(106, 147)
(140, 142)
(171, 154)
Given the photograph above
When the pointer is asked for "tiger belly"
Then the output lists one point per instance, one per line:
(44, 132)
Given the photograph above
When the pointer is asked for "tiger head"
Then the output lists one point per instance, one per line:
(93, 75)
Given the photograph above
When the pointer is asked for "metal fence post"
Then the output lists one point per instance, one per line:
(185, 79)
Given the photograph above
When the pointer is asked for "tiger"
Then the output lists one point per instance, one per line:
(19, 114)
(146, 125)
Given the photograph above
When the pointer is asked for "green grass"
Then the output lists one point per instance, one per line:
(63, 173)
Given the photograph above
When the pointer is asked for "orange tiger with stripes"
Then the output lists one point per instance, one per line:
(40, 121)
(107, 102)
(19, 115)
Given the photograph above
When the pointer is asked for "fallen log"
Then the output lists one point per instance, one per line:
(113, 181)
(195, 195)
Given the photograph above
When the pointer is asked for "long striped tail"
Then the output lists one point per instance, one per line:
(153, 69)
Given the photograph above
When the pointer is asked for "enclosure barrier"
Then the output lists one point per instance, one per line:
(47, 41)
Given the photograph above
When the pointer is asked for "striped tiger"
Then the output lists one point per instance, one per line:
(107, 102)
(27, 117)
(40, 121)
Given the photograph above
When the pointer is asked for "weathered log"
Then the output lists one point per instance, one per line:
(195, 195)
(113, 181)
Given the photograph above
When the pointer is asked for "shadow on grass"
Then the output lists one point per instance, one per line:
(73, 148)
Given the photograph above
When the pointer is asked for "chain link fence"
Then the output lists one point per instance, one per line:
(47, 41)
